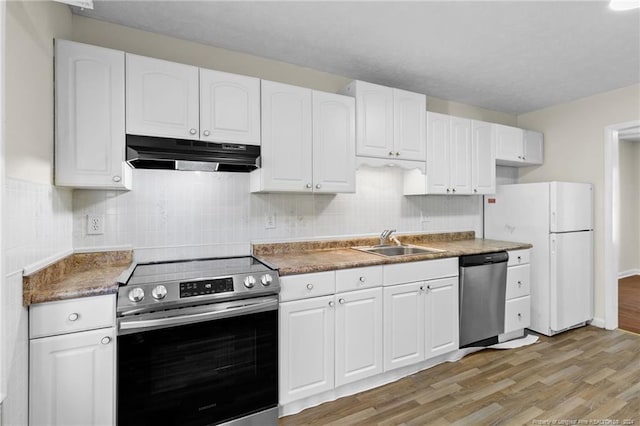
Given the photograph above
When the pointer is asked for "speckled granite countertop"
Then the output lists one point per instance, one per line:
(78, 275)
(316, 256)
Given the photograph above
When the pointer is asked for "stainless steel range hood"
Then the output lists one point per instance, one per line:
(147, 152)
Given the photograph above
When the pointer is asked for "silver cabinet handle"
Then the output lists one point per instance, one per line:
(341, 301)
(453, 190)
(105, 340)
(74, 316)
(397, 154)
(331, 304)
(117, 178)
(308, 186)
(421, 288)
(362, 279)
(192, 131)
(309, 286)
(318, 186)
(390, 152)
(448, 190)
(206, 133)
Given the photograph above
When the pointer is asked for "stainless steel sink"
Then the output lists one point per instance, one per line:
(403, 250)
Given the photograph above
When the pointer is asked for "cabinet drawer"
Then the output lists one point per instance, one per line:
(307, 285)
(68, 316)
(517, 314)
(358, 278)
(518, 281)
(401, 273)
(518, 257)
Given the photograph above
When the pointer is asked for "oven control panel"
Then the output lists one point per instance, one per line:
(204, 287)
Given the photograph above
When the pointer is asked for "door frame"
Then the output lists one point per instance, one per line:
(612, 216)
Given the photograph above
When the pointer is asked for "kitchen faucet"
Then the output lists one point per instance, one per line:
(385, 236)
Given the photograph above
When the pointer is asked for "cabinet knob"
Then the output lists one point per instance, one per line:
(390, 152)
(453, 190)
(519, 316)
(524, 158)
(318, 186)
(397, 154)
(74, 316)
(206, 133)
(341, 301)
(519, 283)
(519, 259)
(105, 340)
(192, 131)
(309, 286)
(331, 304)
(117, 178)
(475, 190)
(421, 288)
(448, 190)
(308, 186)
(362, 279)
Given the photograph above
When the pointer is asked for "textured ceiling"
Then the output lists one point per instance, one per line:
(509, 56)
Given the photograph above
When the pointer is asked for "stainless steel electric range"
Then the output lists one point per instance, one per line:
(198, 343)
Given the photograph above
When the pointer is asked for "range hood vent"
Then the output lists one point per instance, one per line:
(147, 152)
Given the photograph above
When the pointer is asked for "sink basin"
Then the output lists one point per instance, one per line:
(403, 250)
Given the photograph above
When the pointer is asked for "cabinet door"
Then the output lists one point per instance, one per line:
(533, 147)
(409, 125)
(441, 317)
(306, 348)
(358, 335)
(509, 144)
(438, 153)
(162, 98)
(286, 138)
(72, 379)
(460, 151)
(334, 143)
(483, 158)
(374, 120)
(403, 325)
(229, 107)
(90, 141)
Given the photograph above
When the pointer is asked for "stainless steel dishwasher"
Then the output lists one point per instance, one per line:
(483, 283)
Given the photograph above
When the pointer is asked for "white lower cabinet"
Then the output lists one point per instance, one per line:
(517, 314)
(441, 317)
(306, 347)
(358, 335)
(72, 374)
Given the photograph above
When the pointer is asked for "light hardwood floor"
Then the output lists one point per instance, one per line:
(629, 303)
(586, 375)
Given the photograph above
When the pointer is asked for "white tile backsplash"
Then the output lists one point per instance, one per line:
(186, 214)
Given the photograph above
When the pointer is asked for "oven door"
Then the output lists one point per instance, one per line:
(224, 366)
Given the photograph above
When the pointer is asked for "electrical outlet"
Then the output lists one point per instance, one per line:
(269, 221)
(95, 224)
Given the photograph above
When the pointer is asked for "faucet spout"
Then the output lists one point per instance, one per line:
(384, 236)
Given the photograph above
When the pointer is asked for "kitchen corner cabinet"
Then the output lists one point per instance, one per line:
(72, 362)
(90, 117)
(168, 99)
(517, 147)
(308, 141)
(390, 123)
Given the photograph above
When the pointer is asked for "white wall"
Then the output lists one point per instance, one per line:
(37, 216)
(574, 151)
(184, 214)
(629, 166)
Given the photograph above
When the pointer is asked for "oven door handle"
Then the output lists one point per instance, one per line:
(245, 308)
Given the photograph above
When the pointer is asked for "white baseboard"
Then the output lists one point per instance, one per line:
(628, 273)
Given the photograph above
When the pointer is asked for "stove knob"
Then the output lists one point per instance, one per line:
(136, 294)
(249, 281)
(266, 280)
(159, 292)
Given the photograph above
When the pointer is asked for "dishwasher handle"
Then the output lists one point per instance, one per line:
(483, 259)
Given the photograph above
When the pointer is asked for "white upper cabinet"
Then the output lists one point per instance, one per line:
(286, 139)
(448, 154)
(483, 157)
(229, 107)
(162, 98)
(308, 141)
(390, 122)
(90, 117)
(518, 147)
(168, 99)
(334, 136)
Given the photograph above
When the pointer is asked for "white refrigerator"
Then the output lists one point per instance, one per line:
(557, 218)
